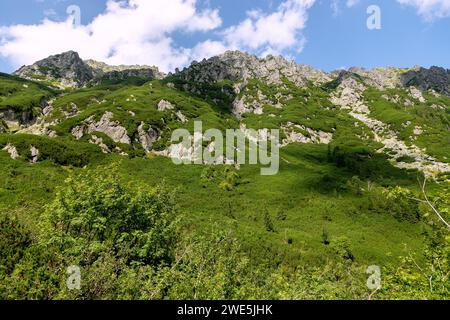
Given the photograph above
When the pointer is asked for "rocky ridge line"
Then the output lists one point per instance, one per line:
(68, 70)
(349, 96)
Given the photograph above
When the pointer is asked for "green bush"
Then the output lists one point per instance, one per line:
(14, 240)
(62, 151)
(341, 247)
(401, 204)
(110, 231)
(94, 213)
(211, 267)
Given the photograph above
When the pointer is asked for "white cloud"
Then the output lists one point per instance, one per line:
(141, 32)
(273, 32)
(429, 9)
(336, 5)
(207, 49)
(50, 13)
(351, 3)
(134, 32)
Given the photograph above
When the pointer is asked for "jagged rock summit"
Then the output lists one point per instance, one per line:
(435, 78)
(66, 68)
(236, 65)
(69, 70)
(241, 66)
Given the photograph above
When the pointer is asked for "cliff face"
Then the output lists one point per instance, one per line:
(435, 78)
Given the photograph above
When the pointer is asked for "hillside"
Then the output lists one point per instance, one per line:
(354, 145)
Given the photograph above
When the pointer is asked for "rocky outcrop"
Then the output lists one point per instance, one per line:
(416, 94)
(67, 68)
(34, 154)
(435, 78)
(147, 137)
(99, 142)
(349, 95)
(236, 65)
(255, 103)
(106, 125)
(15, 118)
(78, 132)
(181, 117)
(398, 100)
(41, 126)
(241, 106)
(164, 105)
(301, 134)
(380, 78)
(112, 129)
(12, 150)
(179, 151)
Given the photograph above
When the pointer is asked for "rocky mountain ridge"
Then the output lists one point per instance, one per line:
(236, 65)
(309, 106)
(69, 70)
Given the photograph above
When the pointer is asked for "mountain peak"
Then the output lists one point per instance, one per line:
(237, 65)
(67, 69)
(435, 78)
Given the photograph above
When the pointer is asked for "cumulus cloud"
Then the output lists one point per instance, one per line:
(429, 9)
(208, 48)
(141, 32)
(137, 31)
(271, 33)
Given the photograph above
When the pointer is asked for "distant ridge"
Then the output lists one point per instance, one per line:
(69, 70)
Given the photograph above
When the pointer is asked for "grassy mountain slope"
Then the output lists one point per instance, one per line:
(329, 204)
(21, 95)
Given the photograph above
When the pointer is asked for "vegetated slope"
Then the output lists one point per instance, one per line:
(349, 138)
(20, 100)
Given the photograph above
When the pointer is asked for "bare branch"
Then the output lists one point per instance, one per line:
(423, 187)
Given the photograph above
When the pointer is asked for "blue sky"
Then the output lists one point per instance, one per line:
(170, 33)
